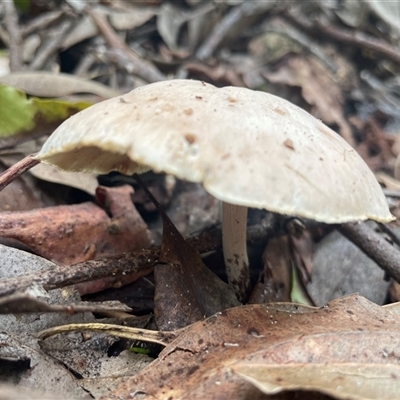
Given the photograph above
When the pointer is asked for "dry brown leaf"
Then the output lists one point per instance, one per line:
(350, 332)
(186, 290)
(318, 89)
(72, 234)
(350, 381)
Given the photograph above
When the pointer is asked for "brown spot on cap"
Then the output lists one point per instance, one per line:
(288, 143)
(280, 111)
(190, 138)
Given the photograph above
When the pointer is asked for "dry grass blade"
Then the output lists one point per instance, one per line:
(163, 338)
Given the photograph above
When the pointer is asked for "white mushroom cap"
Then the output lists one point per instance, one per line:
(247, 148)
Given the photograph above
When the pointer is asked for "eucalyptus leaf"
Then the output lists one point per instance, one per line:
(46, 84)
(21, 114)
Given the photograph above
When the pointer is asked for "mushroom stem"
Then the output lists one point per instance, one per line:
(234, 224)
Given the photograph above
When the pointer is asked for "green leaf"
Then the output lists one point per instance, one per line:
(139, 350)
(21, 114)
(298, 294)
(16, 112)
(23, 5)
(53, 110)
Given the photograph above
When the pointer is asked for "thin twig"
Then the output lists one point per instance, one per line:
(124, 54)
(84, 64)
(391, 193)
(371, 243)
(374, 246)
(219, 32)
(51, 47)
(347, 36)
(15, 37)
(122, 264)
(62, 276)
(160, 337)
(41, 22)
(234, 15)
(17, 170)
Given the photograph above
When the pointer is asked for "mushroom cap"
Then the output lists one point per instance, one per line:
(246, 147)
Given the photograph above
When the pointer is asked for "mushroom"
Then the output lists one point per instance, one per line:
(248, 148)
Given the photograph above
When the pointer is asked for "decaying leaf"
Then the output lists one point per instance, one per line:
(46, 84)
(19, 349)
(35, 370)
(349, 381)
(71, 234)
(318, 89)
(355, 335)
(24, 362)
(88, 356)
(186, 290)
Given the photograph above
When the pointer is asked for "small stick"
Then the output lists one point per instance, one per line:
(347, 36)
(51, 47)
(374, 246)
(124, 54)
(146, 335)
(127, 263)
(17, 170)
(218, 34)
(61, 276)
(15, 37)
(41, 22)
(391, 193)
